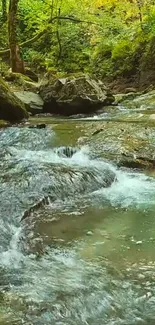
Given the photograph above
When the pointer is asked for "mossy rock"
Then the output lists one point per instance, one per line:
(3, 124)
(11, 108)
(17, 78)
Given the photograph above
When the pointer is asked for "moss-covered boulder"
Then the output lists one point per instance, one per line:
(69, 96)
(17, 78)
(11, 108)
(20, 81)
(3, 124)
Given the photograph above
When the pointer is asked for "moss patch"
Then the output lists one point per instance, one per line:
(11, 108)
(3, 124)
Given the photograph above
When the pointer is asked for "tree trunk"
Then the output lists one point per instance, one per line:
(16, 61)
(4, 11)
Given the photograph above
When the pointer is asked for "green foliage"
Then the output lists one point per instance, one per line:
(3, 36)
(122, 57)
(118, 41)
(4, 67)
(148, 56)
(101, 63)
(35, 59)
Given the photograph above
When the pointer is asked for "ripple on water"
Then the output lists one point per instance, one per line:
(63, 288)
(107, 277)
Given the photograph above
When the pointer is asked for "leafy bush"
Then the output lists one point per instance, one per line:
(122, 57)
(34, 59)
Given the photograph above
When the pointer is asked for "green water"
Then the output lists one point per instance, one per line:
(88, 255)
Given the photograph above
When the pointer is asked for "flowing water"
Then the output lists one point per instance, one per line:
(84, 250)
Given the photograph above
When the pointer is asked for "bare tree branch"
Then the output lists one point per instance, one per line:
(72, 19)
(37, 36)
(28, 42)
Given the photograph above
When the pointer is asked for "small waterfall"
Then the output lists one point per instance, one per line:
(66, 151)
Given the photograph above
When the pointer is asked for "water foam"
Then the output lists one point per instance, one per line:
(12, 257)
(130, 189)
(79, 156)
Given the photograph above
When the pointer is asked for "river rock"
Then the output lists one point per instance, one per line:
(69, 96)
(32, 100)
(38, 126)
(127, 143)
(11, 107)
(137, 100)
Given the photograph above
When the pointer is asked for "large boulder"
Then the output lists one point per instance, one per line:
(69, 96)
(11, 108)
(32, 100)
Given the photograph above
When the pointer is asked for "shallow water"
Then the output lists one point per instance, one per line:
(86, 254)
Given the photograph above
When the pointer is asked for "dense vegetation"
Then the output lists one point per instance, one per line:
(108, 38)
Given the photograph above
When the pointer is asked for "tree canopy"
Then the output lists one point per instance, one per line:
(103, 37)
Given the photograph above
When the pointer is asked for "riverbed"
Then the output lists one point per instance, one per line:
(85, 255)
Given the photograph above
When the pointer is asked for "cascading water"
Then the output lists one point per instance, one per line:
(84, 252)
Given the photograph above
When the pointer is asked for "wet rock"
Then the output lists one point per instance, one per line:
(131, 148)
(89, 233)
(97, 131)
(70, 96)
(82, 140)
(119, 98)
(36, 206)
(136, 162)
(141, 276)
(41, 126)
(139, 242)
(138, 100)
(38, 126)
(32, 100)
(70, 182)
(11, 107)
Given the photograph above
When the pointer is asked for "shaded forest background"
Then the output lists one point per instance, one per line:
(109, 39)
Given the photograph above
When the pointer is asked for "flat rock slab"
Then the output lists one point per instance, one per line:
(33, 101)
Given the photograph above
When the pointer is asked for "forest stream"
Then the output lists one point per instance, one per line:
(83, 252)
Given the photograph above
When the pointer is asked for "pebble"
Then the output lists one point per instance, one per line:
(38, 126)
(141, 276)
(89, 233)
(139, 242)
(152, 116)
